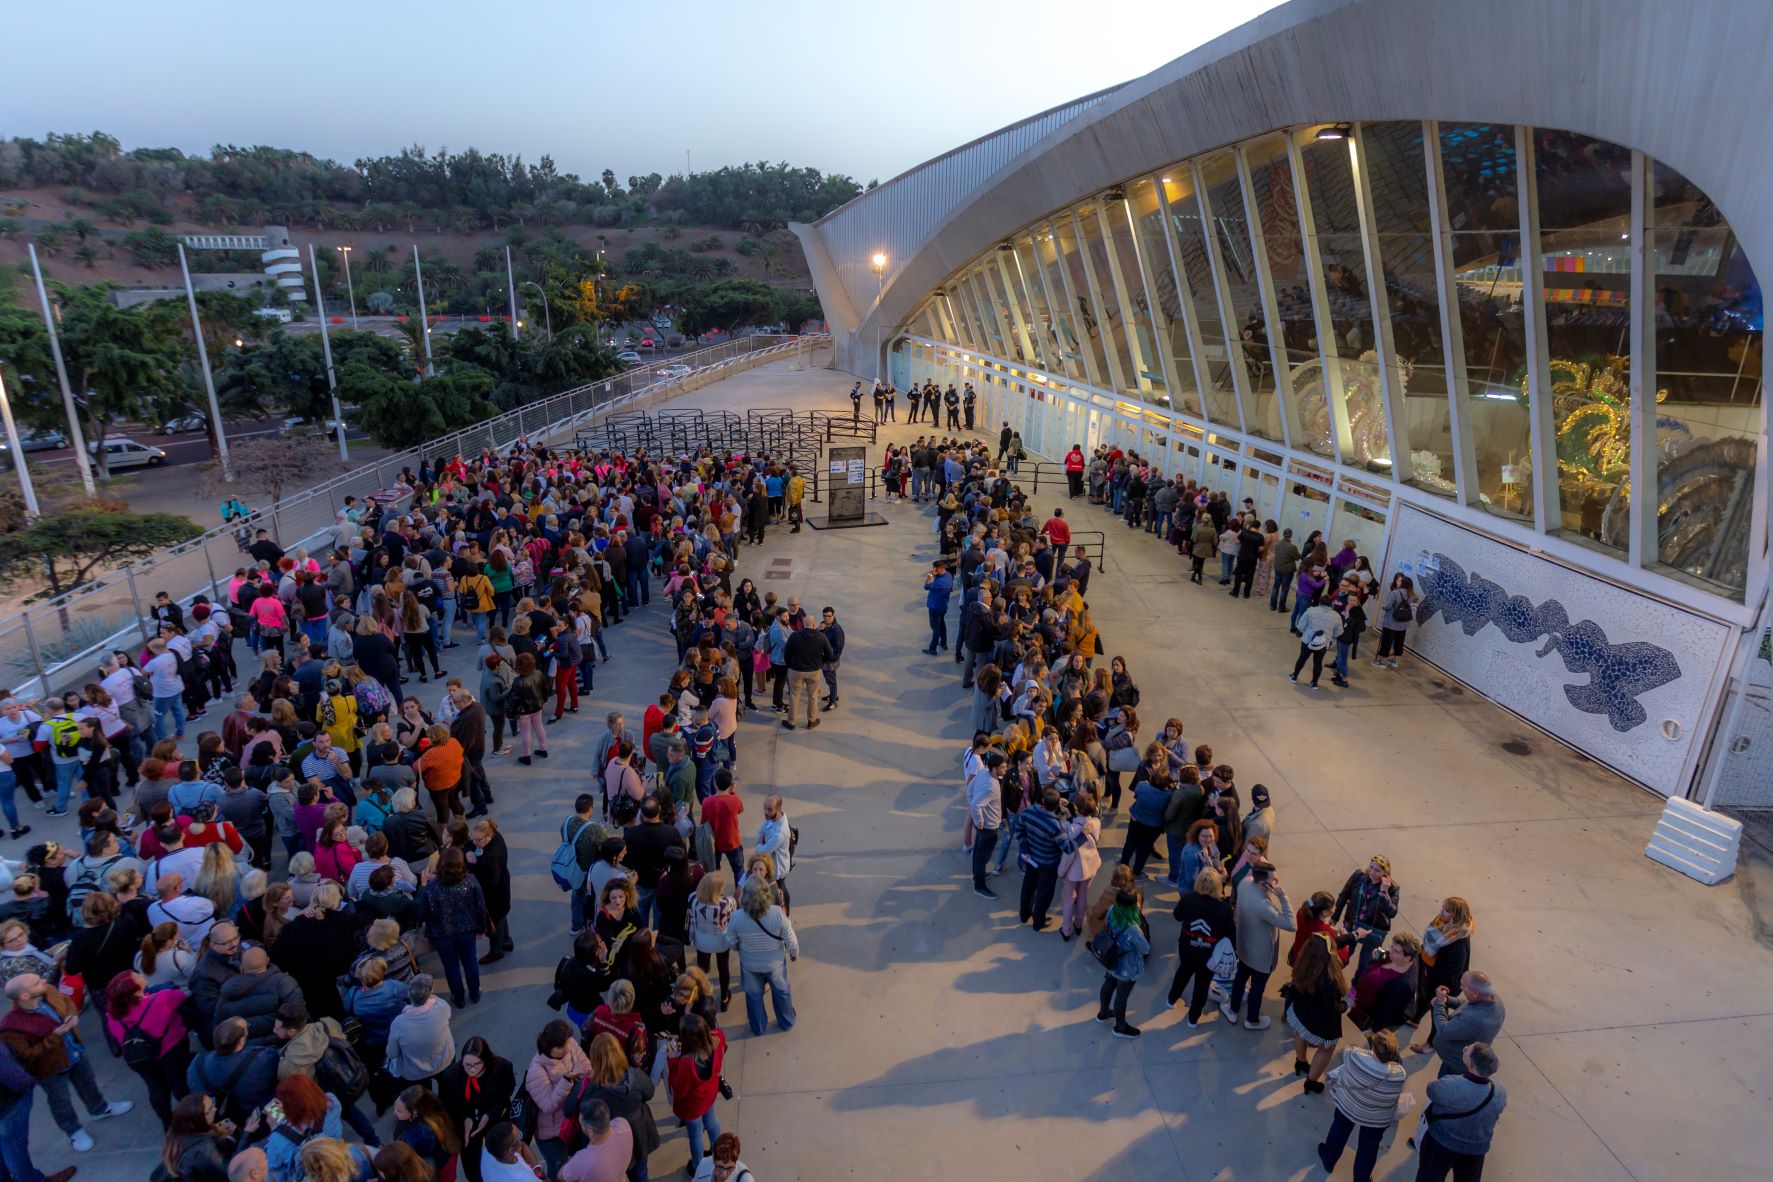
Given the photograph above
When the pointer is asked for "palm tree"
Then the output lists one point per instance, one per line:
(87, 253)
(376, 262)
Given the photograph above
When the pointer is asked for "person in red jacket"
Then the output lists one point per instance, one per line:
(692, 1069)
(1074, 470)
(721, 811)
(1057, 530)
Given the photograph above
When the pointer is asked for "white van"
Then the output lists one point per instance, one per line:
(281, 315)
(121, 452)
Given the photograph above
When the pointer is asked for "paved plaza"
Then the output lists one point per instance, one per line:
(939, 1038)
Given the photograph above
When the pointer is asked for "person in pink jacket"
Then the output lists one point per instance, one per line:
(1078, 867)
(132, 1014)
(558, 1065)
(334, 856)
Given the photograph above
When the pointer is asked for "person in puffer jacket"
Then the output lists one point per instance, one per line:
(1365, 1086)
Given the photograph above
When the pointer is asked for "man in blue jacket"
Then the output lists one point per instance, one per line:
(16, 1097)
(938, 585)
(1039, 830)
(1460, 1119)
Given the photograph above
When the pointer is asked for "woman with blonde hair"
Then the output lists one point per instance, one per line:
(383, 939)
(1316, 998)
(218, 879)
(328, 1159)
(1446, 955)
(709, 914)
(627, 1089)
(766, 941)
(1367, 1088)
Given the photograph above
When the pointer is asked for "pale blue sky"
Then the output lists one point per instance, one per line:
(868, 89)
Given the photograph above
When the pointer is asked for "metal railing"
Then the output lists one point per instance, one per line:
(51, 645)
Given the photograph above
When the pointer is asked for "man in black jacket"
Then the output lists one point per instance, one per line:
(805, 655)
(412, 836)
(834, 637)
(240, 1076)
(218, 964)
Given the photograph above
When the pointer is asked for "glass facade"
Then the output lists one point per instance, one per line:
(1280, 317)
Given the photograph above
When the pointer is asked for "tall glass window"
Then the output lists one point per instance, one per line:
(1710, 323)
(1001, 301)
(1086, 317)
(1483, 211)
(1110, 326)
(1585, 242)
(1148, 369)
(1231, 237)
(986, 310)
(1191, 243)
(1396, 175)
(1023, 265)
(1169, 325)
(1046, 246)
(1335, 216)
(1278, 239)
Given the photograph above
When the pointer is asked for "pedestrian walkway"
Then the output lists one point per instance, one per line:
(936, 1035)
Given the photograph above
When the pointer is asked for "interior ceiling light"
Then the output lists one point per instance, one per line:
(1335, 131)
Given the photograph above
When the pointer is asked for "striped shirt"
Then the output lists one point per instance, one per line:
(1039, 832)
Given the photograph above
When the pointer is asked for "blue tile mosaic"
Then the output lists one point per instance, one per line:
(1618, 674)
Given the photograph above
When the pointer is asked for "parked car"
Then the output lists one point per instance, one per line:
(185, 423)
(281, 315)
(628, 355)
(30, 441)
(123, 452)
(679, 370)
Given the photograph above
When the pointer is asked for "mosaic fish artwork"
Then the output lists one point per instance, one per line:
(1618, 674)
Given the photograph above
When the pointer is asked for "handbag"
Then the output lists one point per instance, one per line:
(1124, 759)
(1223, 961)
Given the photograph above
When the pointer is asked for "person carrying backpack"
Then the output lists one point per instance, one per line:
(150, 1035)
(580, 839)
(1121, 946)
(58, 742)
(318, 1049)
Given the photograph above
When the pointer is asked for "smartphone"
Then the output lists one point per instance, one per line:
(273, 1111)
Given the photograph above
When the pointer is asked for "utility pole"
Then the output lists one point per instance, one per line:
(18, 453)
(215, 410)
(332, 381)
(511, 288)
(76, 436)
(424, 319)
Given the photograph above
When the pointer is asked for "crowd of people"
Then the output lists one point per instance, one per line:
(288, 875)
(1060, 741)
(1336, 597)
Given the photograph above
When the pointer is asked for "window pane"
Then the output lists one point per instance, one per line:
(1397, 182)
(986, 311)
(1167, 314)
(1191, 244)
(1109, 327)
(1335, 215)
(1148, 369)
(993, 288)
(1709, 329)
(1483, 210)
(1231, 236)
(1040, 325)
(1584, 239)
(1046, 244)
(1277, 236)
(1086, 322)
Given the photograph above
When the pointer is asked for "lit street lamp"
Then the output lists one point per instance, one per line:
(880, 262)
(349, 290)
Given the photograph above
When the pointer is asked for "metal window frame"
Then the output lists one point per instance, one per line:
(1013, 297)
(1117, 275)
(1391, 392)
(1465, 470)
(1184, 299)
(1110, 355)
(1265, 293)
(1056, 309)
(1641, 543)
(1081, 340)
(1329, 358)
(1232, 344)
(1036, 328)
(1542, 423)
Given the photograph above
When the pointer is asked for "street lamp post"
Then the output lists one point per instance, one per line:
(215, 410)
(511, 289)
(880, 262)
(76, 436)
(548, 316)
(332, 380)
(18, 454)
(418, 275)
(349, 290)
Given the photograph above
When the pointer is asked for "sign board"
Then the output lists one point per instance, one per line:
(847, 498)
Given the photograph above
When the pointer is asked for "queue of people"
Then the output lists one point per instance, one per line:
(1060, 739)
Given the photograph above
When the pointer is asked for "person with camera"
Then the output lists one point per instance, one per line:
(1263, 912)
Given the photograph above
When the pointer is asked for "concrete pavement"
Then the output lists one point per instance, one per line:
(935, 1034)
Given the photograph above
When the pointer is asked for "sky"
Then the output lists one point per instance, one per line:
(865, 89)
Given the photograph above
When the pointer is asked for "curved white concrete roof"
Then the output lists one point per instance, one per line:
(1682, 82)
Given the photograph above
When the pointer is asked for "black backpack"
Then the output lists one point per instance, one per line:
(139, 1049)
(341, 1072)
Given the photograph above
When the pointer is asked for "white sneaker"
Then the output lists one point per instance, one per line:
(115, 1108)
(1259, 1024)
(1225, 1008)
(81, 1140)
